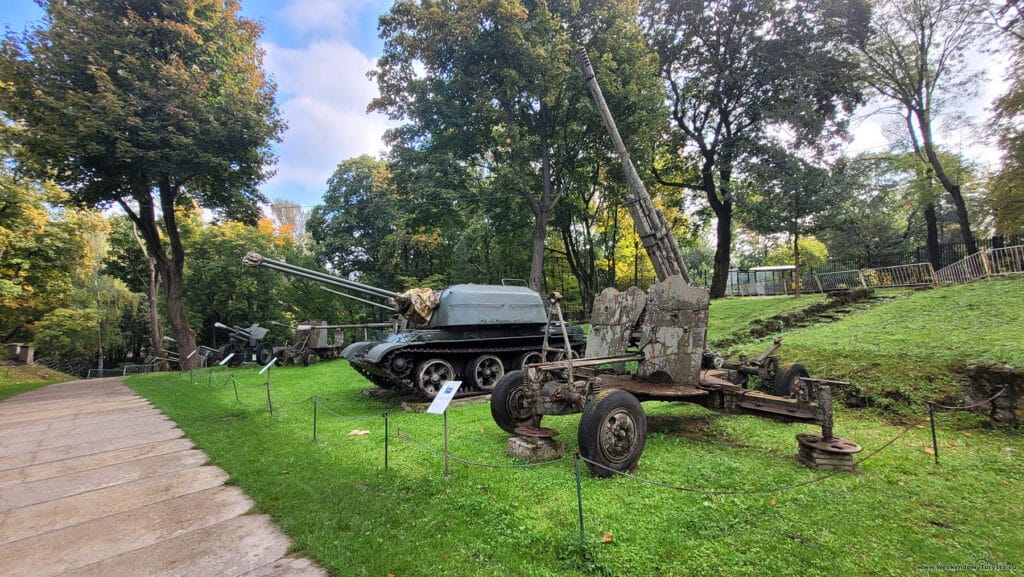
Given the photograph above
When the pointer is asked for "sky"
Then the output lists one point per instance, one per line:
(319, 51)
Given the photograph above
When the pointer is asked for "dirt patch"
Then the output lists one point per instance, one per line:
(837, 305)
(696, 428)
(982, 382)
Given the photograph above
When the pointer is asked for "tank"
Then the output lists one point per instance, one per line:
(474, 333)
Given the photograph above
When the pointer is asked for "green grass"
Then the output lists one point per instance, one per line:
(342, 508)
(914, 344)
(736, 313)
(16, 379)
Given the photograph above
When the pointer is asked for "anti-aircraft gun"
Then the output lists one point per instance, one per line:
(662, 333)
(243, 343)
(470, 332)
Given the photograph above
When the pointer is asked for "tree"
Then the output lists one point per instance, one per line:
(145, 105)
(1006, 196)
(787, 195)
(40, 252)
(490, 87)
(916, 57)
(740, 71)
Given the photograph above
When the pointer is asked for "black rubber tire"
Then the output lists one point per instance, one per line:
(484, 372)
(304, 358)
(786, 377)
(612, 433)
(264, 354)
(441, 370)
(509, 405)
(527, 357)
(312, 357)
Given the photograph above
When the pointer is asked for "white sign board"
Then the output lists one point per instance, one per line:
(444, 396)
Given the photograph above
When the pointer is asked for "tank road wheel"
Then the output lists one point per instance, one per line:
(528, 358)
(431, 375)
(785, 379)
(612, 432)
(264, 354)
(511, 404)
(484, 371)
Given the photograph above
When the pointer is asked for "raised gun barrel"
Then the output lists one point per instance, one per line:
(658, 240)
(256, 259)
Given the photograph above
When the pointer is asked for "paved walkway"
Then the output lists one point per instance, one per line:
(95, 481)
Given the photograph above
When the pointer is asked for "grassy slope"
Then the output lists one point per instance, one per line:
(899, 511)
(733, 314)
(15, 379)
(915, 343)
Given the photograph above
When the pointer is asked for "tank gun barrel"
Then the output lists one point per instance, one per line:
(255, 259)
(658, 240)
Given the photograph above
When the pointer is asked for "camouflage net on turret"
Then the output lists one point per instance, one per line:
(418, 305)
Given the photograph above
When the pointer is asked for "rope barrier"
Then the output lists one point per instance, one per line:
(342, 417)
(778, 489)
(974, 406)
(400, 433)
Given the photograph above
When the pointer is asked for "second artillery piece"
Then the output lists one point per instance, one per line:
(244, 343)
(469, 332)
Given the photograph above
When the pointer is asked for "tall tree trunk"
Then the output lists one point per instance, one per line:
(722, 206)
(932, 236)
(173, 277)
(952, 188)
(156, 337)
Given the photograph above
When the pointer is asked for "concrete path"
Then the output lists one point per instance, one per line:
(95, 481)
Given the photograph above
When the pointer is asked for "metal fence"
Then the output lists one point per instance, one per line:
(985, 264)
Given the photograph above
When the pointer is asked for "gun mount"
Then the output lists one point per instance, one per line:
(662, 333)
(471, 332)
(243, 343)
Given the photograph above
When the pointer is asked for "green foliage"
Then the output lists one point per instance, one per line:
(222, 290)
(494, 105)
(41, 252)
(71, 335)
(144, 104)
(738, 71)
(813, 254)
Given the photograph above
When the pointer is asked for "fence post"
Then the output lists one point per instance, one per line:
(985, 262)
(817, 281)
(863, 282)
(934, 275)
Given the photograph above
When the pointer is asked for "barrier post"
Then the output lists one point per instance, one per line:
(579, 495)
(385, 440)
(935, 442)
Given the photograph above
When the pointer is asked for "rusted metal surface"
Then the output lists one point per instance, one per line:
(673, 330)
(653, 391)
(616, 315)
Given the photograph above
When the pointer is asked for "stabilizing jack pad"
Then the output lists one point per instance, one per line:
(833, 454)
(535, 449)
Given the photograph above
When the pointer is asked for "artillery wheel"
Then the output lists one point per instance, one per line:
(528, 358)
(612, 432)
(510, 401)
(786, 379)
(484, 371)
(264, 354)
(431, 375)
(307, 358)
(313, 357)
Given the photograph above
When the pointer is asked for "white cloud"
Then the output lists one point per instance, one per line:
(328, 15)
(323, 92)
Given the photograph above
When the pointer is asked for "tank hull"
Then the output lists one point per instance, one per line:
(417, 362)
